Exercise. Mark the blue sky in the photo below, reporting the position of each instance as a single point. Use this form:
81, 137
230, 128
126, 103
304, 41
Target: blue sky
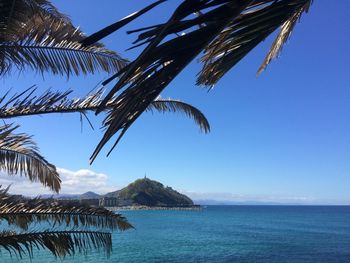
282, 136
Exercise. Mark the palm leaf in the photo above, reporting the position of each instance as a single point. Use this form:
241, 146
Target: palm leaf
29, 103
19, 156
226, 30
60, 243
284, 34
22, 212
160, 62
15, 14
111, 28
247, 31
64, 57
170, 105
37, 36
26, 104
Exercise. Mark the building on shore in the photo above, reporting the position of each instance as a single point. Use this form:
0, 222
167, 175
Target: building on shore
114, 201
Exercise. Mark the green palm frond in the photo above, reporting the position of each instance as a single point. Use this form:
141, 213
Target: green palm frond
171, 105
22, 212
59, 243
37, 36
19, 156
64, 57
27, 103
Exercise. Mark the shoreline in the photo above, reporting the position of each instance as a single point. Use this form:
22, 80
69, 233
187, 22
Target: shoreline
142, 208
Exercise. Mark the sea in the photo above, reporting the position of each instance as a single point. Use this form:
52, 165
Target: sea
225, 234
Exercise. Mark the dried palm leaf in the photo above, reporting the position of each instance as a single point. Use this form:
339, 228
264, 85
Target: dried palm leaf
284, 34
19, 156
60, 243
245, 33
22, 212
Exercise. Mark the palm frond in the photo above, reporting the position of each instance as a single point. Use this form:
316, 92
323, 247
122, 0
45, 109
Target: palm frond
112, 28
27, 103
161, 61
64, 57
284, 34
226, 30
244, 33
22, 212
59, 243
41, 38
19, 156
170, 105
15, 14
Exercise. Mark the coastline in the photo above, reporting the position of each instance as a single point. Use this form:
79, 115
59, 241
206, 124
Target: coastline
143, 207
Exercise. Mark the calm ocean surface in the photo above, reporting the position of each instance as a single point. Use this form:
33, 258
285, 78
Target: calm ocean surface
227, 234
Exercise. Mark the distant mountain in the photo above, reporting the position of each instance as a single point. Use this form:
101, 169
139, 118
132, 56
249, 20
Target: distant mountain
151, 193
61, 196
89, 195
226, 202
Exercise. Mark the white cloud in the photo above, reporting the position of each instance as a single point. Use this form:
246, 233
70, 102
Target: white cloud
73, 182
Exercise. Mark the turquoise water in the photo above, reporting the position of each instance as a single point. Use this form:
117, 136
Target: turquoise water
228, 234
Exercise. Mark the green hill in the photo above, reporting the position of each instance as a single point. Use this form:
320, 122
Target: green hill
151, 193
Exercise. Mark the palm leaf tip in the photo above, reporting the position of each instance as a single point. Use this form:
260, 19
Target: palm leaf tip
60, 243
170, 105
245, 32
286, 30
122, 222
158, 105
19, 155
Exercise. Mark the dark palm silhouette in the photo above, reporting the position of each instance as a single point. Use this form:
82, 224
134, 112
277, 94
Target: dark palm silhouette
224, 31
